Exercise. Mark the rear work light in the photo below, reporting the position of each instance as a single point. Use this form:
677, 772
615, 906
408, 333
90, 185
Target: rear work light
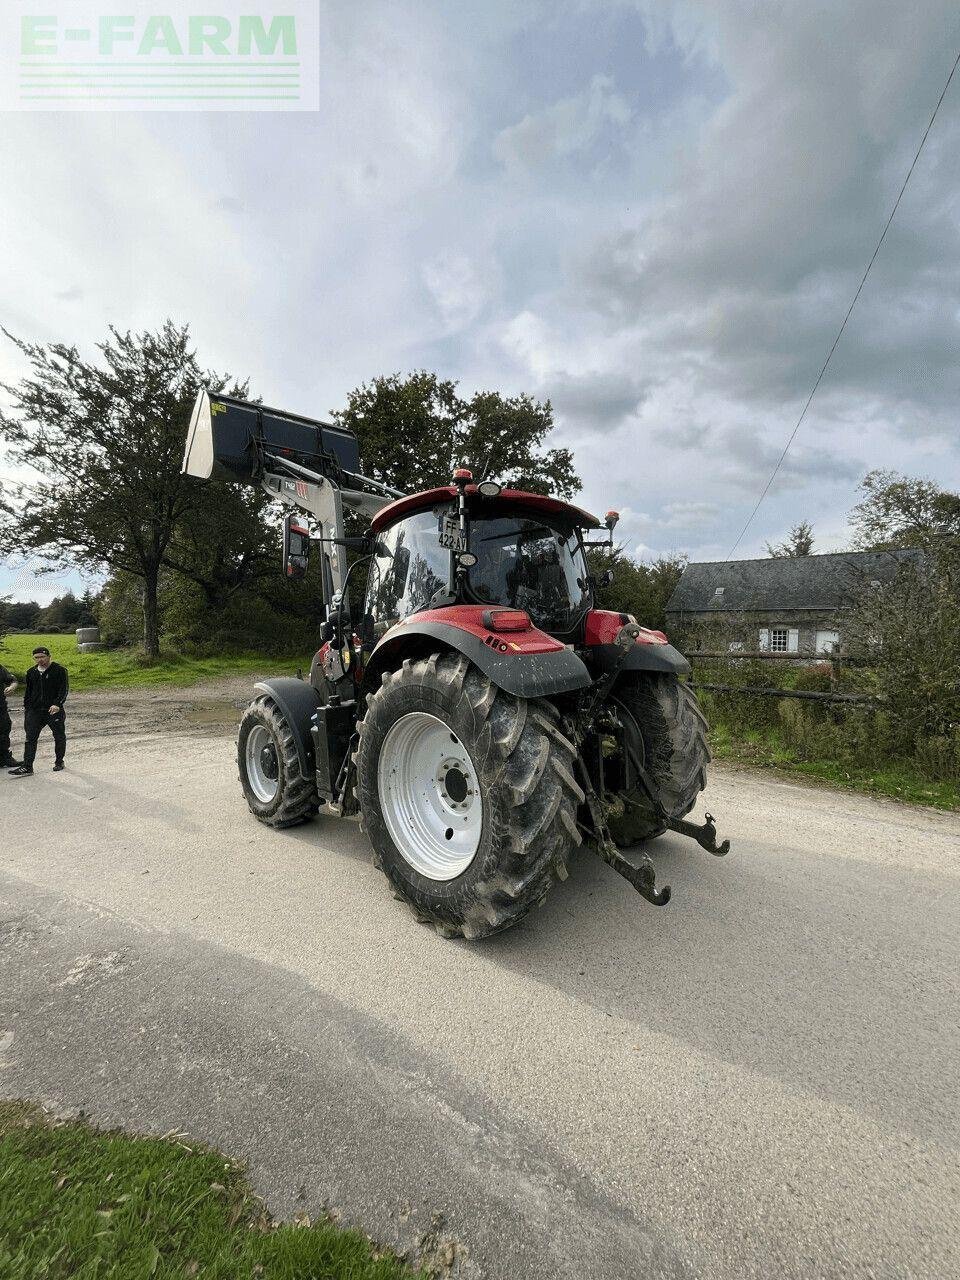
506, 620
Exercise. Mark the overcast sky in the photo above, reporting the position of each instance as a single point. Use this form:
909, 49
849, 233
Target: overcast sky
654, 214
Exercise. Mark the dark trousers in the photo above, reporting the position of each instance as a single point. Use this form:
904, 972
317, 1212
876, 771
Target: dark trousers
5, 727
33, 722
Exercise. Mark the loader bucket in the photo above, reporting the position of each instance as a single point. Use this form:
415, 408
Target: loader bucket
228, 439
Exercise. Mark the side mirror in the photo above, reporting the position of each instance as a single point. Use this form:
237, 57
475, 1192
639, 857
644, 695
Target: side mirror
605, 578
296, 546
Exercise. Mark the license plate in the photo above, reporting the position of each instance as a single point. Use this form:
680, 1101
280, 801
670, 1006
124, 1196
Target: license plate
451, 535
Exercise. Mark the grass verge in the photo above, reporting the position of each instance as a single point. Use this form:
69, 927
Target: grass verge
766, 749
126, 668
80, 1203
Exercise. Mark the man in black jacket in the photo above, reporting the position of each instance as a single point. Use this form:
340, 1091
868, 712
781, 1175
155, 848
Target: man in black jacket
46, 692
8, 683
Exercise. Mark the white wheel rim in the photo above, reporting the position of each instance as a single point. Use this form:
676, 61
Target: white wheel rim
429, 796
260, 758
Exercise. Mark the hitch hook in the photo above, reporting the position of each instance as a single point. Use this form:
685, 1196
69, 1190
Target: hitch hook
705, 835
643, 878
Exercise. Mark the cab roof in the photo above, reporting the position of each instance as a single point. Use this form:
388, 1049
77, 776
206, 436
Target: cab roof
415, 502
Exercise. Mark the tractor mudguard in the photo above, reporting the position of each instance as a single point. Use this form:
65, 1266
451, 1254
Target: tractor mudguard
651, 650
527, 664
298, 701
641, 657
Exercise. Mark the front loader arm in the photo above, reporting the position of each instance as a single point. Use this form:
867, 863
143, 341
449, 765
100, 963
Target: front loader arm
325, 502
301, 462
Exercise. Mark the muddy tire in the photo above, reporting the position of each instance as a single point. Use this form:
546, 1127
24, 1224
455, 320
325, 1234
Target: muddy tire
270, 771
667, 729
467, 795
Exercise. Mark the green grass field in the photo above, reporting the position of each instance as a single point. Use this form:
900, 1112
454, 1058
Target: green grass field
125, 668
76, 1202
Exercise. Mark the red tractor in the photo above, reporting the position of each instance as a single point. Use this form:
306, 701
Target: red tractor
478, 713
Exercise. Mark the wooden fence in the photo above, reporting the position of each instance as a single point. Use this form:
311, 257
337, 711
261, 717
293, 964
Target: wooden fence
805, 695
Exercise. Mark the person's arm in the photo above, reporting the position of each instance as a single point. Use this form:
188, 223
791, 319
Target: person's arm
61, 691
8, 681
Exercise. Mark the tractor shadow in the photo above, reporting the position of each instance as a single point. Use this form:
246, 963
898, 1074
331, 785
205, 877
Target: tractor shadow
833, 975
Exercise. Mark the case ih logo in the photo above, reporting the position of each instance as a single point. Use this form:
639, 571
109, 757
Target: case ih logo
88, 57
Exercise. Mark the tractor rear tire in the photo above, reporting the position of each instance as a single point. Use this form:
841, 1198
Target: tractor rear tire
277, 791
467, 795
669, 733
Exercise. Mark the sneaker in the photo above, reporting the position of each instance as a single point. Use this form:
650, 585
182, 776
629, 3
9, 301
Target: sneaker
58, 766
21, 771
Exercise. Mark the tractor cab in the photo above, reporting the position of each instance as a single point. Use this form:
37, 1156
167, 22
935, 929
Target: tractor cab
511, 549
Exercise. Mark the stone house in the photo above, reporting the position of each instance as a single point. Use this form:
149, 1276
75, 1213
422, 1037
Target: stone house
792, 604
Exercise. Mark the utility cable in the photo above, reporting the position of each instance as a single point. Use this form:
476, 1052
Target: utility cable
823, 370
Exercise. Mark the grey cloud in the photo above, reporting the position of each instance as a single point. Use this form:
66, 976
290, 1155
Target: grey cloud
690, 515
742, 272
72, 294
746, 459
570, 127
458, 287
684, 435
594, 400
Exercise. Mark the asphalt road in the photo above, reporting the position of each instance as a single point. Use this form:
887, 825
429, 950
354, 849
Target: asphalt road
759, 1080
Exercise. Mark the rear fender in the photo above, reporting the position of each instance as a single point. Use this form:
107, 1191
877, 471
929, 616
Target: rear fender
651, 650
298, 701
527, 664
666, 659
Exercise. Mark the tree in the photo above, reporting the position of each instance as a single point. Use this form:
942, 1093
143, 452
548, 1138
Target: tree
908, 630
799, 542
63, 613
20, 615
637, 588
226, 542
413, 431
106, 441
903, 511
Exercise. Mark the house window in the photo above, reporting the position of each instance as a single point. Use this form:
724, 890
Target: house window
779, 640
827, 641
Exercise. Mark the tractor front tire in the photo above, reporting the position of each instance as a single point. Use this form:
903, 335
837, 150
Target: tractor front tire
467, 795
273, 781
668, 731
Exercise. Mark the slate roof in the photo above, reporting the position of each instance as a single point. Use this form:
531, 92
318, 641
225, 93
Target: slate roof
784, 583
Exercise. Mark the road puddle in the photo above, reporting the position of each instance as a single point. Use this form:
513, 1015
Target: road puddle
212, 713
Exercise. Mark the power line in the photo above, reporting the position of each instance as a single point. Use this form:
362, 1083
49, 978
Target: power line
883, 235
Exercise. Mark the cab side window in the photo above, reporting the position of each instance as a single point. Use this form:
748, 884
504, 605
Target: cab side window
407, 571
